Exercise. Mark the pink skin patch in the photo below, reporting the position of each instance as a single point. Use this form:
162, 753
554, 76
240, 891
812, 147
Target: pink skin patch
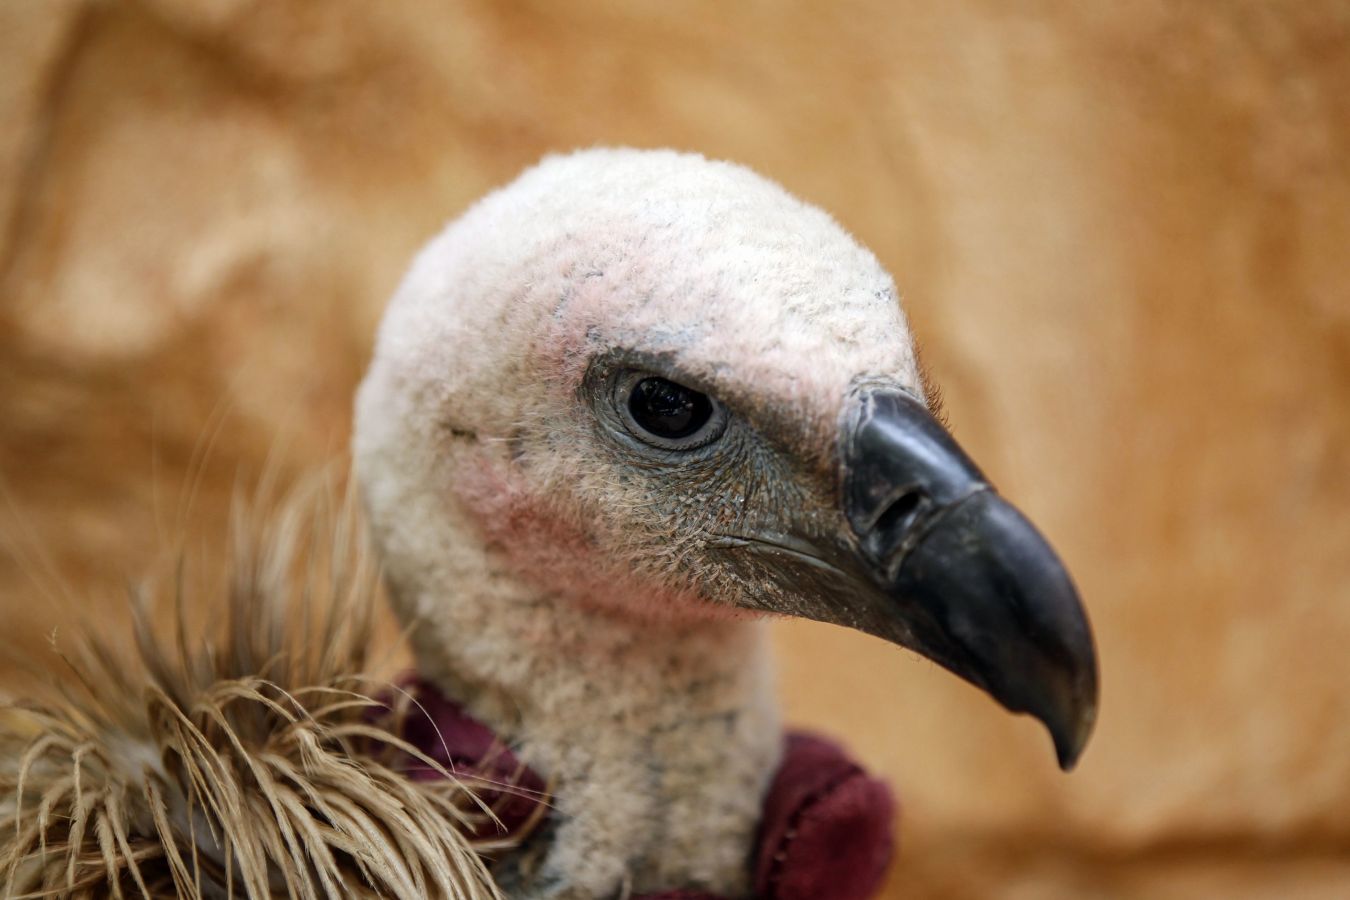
551, 551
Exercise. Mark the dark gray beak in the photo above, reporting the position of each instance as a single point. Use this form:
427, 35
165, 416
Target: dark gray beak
958, 574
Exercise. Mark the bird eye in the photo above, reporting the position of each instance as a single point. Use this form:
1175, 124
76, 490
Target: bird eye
668, 415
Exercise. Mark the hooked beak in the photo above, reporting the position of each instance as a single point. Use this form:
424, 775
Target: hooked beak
957, 574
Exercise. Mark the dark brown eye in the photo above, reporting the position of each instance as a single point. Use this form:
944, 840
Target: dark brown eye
667, 414
668, 410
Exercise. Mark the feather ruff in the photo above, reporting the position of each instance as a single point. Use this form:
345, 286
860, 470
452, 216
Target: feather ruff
250, 762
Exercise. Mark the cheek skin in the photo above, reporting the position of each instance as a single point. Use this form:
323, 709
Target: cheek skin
546, 544
514, 521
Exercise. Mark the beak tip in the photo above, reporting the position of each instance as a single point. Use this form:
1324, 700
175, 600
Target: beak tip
1070, 741
1068, 755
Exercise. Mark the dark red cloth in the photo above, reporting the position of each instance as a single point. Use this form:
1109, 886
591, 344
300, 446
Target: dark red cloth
826, 831
440, 728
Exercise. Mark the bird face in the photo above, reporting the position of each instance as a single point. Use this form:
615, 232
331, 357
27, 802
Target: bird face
663, 387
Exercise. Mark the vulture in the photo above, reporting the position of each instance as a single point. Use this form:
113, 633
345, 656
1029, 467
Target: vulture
620, 413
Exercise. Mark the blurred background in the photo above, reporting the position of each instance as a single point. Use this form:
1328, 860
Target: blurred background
1123, 236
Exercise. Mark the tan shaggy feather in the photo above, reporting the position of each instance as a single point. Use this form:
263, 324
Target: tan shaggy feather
250, 762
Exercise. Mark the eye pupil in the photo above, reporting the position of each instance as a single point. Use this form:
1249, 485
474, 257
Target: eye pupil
668, 410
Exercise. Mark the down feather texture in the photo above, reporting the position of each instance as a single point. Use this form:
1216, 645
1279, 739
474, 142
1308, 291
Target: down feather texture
249, 761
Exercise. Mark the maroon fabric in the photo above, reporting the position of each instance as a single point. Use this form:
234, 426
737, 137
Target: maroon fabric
827, 829
826, 832
440, 728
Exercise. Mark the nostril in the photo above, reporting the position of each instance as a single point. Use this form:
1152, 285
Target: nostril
899, 515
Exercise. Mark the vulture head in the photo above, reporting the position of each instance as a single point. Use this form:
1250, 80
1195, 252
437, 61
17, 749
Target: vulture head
663, 387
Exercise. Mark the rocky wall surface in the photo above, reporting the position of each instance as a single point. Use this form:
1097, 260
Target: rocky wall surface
1123, 236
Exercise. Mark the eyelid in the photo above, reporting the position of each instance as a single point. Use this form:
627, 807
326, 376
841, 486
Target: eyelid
624, 382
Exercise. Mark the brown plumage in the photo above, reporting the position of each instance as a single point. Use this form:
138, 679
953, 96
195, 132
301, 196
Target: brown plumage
251, 761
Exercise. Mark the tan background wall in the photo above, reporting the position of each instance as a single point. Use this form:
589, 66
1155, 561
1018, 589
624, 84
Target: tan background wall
1122, 229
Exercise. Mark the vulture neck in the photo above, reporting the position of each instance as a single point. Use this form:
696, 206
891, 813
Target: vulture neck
659, 737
